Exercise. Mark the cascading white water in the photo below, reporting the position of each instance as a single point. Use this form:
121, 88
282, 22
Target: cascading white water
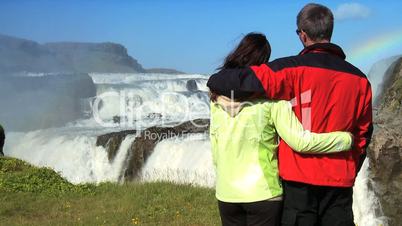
71, 149
366, 206
76, 157
185, 160
152, 99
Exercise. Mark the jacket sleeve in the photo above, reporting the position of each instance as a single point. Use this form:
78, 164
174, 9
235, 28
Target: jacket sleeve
364, 129
213, 136
239, 83
235, 83
292, 132
214, 147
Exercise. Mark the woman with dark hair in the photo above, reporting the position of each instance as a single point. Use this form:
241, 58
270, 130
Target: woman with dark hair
253, 49
244, 140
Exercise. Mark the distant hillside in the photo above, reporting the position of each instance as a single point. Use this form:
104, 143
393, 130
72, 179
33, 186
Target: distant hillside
164, 71
21, 55
94, 57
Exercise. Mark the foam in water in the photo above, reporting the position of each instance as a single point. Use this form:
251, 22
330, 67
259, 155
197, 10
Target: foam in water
121, 78
181, 160
150, 99
366, 206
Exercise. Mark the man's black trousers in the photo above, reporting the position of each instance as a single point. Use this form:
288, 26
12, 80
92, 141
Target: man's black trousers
309, 205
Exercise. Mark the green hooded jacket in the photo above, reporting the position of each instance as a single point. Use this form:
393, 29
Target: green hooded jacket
244, 142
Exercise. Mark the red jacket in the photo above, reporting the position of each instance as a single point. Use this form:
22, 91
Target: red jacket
328, 94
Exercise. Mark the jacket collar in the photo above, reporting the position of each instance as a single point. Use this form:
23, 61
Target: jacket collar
324, 47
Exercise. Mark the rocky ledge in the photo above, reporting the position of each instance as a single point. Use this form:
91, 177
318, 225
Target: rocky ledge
112, 141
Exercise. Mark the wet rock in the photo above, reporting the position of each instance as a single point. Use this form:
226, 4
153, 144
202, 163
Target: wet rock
385, 156
116, 119
191, 85
112, 141
154, 116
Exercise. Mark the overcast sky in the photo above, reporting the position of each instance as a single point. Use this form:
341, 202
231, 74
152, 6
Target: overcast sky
194, 36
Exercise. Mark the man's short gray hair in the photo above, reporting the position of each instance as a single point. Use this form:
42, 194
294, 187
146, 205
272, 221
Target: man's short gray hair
317, 21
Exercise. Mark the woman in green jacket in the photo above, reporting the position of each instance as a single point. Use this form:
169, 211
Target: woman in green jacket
244, 140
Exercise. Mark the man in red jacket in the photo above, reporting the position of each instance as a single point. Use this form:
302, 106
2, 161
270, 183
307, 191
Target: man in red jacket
327, 94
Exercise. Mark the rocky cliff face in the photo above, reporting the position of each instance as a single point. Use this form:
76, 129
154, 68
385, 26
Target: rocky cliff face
20, 55
385, 151
95, 57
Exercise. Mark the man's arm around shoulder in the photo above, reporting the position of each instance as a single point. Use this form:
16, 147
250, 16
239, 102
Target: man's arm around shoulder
242, 82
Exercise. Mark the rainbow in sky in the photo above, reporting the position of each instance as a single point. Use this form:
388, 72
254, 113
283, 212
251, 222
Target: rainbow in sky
380, 46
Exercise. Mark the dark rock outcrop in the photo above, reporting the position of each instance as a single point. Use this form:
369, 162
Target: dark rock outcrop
112, 141
20, 55
385, 150
29, 103
145, 142
191, 85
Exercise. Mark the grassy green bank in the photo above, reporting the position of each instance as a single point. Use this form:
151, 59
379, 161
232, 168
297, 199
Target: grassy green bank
39, 196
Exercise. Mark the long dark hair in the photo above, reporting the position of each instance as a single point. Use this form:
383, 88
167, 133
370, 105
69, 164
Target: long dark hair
253, 49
